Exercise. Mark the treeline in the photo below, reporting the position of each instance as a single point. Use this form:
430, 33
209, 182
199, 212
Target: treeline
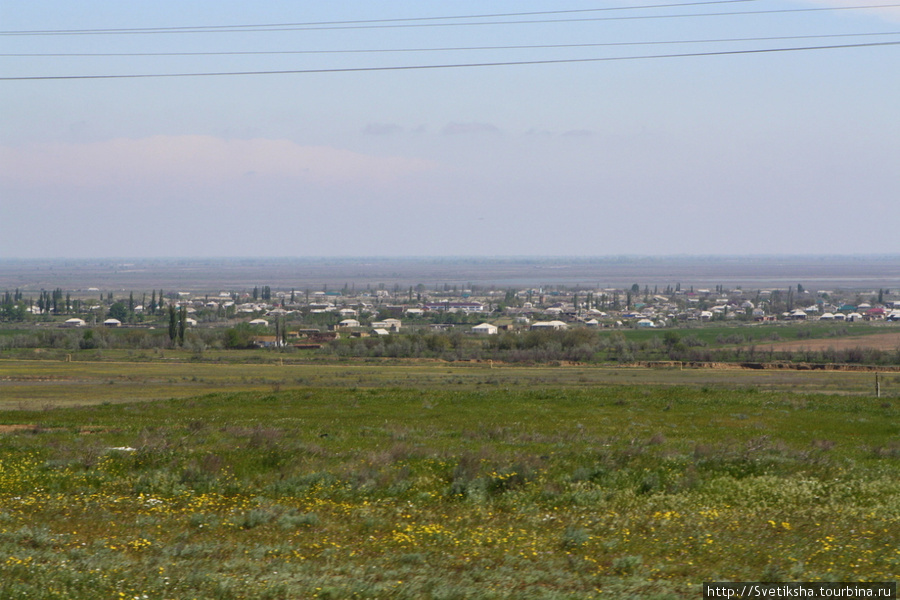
586, 346
15, 307
583, 345
102, 338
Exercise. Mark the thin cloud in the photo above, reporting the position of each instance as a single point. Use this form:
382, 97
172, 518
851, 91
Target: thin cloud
469, 128
195, 160
382, 129
578, 133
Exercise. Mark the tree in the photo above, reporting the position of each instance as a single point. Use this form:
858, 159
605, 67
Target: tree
118, 311
182, 323
671, 339
173, 323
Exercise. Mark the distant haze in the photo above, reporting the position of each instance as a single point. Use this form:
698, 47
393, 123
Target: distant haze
866, 273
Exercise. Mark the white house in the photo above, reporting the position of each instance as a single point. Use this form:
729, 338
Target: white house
262, 322
389, 324
75, 322
112, 323
349, 323
549, 325
485, 329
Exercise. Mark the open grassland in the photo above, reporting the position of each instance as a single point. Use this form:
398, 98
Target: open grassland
881, 341
39, 384
440, 490
717, 334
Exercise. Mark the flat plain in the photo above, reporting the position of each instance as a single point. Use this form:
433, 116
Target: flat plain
175, 479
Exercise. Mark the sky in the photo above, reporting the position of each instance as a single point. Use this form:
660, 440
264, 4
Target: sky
327, 144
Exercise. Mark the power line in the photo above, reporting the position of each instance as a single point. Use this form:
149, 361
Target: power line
263, 26
330, 27
447, 49
452, 66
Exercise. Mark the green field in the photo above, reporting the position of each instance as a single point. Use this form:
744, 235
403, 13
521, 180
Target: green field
179, 480
40, 384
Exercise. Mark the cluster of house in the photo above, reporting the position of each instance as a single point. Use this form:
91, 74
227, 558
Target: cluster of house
531, 309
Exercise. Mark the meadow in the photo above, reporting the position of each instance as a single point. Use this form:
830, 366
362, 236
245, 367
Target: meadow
181, 480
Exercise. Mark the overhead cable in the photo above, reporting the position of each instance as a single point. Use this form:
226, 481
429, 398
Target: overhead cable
451, 66
264, 26
314, 27
447, 48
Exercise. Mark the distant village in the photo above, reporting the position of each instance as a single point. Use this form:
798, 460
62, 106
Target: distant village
379, 312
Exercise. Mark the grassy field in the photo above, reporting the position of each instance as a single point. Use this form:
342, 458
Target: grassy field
438, 482
38, 384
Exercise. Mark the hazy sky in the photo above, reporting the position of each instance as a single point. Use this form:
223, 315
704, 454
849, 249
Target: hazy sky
737, 153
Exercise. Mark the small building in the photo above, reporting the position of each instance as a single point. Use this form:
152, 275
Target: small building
463, 307
265, 341
75, 322
112, 323
262, 322
485, 329
875, 313
556, 325
389, 324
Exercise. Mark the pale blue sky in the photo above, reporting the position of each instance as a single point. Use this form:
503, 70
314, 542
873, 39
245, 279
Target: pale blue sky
784, 152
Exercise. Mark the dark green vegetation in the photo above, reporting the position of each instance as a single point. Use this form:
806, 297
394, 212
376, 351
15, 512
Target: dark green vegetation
707, 342
493, 487
747, 343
